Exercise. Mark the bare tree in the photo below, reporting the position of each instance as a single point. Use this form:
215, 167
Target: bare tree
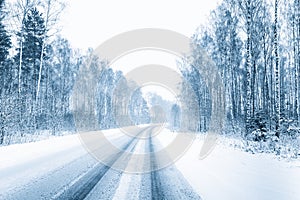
53, 9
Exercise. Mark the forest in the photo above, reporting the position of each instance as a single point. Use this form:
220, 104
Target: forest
255, 45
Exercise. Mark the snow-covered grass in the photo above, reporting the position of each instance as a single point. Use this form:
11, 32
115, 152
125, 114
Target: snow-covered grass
283, 148
231, 173
20, 138
287, 146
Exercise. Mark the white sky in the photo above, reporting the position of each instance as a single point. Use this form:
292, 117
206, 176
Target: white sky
148, 57
144, 57
159, 90
87, 23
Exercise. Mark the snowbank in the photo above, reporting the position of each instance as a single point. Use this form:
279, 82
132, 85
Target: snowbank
230, 173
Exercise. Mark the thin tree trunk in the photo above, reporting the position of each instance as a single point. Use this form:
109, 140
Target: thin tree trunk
43, 49
248, 68
277, 75
20, 62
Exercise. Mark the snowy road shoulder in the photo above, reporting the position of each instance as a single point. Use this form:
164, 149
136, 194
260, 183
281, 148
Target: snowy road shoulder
229, 173
226, 173
22, 164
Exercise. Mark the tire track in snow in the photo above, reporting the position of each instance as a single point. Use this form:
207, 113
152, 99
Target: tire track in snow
83, 185
156, 187
168, 183
131, 181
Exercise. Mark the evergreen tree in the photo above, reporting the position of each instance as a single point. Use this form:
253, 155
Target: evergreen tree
6, 71
5, 43
5, 74
32, 43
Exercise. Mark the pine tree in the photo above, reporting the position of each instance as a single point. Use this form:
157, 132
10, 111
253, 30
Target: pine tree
32, 43
5, 43
5, 73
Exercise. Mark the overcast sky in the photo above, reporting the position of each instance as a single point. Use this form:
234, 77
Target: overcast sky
87, 23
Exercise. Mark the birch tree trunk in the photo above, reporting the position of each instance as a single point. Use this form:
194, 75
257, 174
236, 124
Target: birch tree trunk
277, 75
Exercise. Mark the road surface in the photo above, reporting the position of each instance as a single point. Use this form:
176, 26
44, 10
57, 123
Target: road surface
76, 174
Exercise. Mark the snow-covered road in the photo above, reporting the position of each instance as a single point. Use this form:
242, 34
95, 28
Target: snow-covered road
61, 168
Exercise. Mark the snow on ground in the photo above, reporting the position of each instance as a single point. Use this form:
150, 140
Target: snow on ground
23, 163
130, 181
17, 154
229, 173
